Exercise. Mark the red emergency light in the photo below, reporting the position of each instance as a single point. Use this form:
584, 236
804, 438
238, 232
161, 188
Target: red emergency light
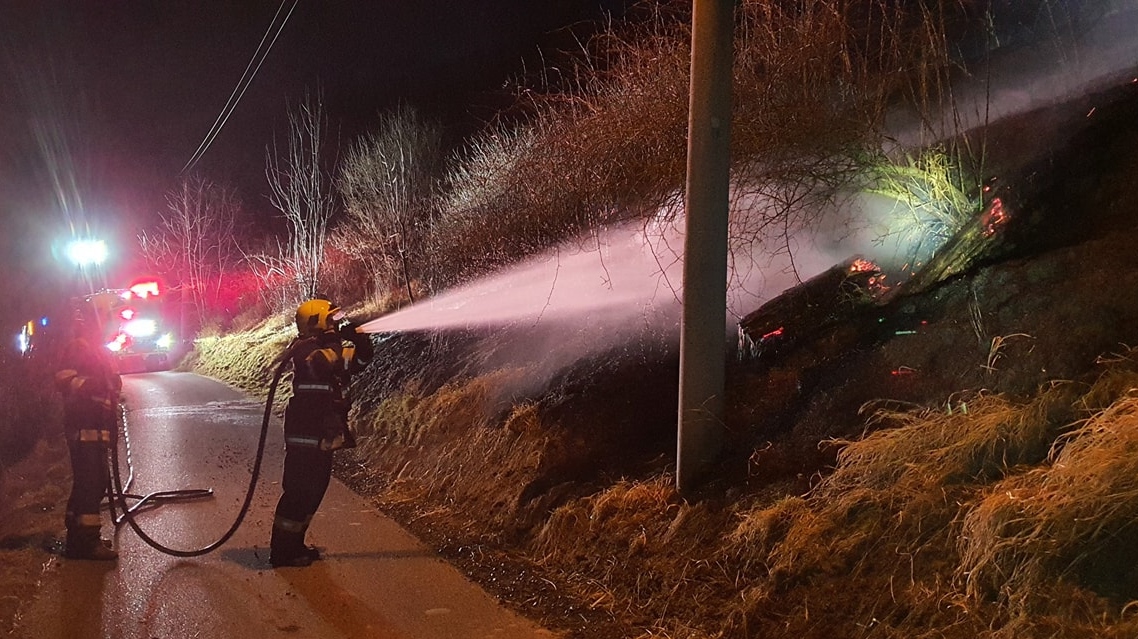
145, 289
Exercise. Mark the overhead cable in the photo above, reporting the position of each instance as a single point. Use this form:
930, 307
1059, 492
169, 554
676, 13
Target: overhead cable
251, 70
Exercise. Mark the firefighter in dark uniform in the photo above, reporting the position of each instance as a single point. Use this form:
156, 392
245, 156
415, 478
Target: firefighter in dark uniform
325, 354
90, 387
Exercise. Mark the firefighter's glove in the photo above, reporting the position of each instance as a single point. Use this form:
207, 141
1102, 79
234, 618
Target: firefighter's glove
362, 341
336, 443
65, 380
348, 331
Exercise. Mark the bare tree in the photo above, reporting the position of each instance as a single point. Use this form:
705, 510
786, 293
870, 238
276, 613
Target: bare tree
195, 241
272, 273
302, 191
388, 181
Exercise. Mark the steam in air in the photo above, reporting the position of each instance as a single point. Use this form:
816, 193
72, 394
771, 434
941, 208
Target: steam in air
630, 278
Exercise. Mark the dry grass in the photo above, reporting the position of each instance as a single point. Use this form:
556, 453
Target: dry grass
616, 518
1006, 516
464, 443
407, 418
246, 359
34, 477
983, 517
1071, 519
894, 494
640, 553
33, 492
979, 439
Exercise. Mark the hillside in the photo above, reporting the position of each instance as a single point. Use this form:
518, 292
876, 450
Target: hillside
954, 460
951, 458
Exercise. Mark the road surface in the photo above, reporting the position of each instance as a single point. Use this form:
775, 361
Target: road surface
187, 431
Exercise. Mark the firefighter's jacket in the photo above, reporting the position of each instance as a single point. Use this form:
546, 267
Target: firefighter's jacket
90, 387
317, 412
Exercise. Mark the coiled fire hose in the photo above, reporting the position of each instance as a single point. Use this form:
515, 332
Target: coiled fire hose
128, 512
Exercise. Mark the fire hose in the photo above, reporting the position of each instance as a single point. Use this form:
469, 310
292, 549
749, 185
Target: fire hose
119, 492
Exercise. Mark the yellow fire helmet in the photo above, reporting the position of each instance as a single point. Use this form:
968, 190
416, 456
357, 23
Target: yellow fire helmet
316, 316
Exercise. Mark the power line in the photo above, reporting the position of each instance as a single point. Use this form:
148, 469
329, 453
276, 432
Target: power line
242, 84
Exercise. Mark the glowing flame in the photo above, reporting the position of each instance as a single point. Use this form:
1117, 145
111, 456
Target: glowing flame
775, 333
861, 265
994, 217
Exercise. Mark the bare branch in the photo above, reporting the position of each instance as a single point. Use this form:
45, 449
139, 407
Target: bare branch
301, 191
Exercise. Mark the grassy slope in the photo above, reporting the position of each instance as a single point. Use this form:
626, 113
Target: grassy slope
34, 480
986, 489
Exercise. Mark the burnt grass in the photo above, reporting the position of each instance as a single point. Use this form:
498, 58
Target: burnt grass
1043, 299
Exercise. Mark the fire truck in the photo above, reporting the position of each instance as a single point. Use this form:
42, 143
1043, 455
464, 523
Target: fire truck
134, 326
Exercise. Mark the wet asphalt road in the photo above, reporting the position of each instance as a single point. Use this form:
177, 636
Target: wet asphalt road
191, 432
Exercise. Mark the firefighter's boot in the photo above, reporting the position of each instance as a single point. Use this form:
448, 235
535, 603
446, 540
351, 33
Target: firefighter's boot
84, 543
286, 547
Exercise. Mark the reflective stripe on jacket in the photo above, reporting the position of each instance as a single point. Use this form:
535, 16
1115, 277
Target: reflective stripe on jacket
90, 387
90, 435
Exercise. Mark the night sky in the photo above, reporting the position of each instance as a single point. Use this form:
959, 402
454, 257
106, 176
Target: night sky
103, 102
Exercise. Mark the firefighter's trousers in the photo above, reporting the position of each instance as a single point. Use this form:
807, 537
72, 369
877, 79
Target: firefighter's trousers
307, 471
90, 473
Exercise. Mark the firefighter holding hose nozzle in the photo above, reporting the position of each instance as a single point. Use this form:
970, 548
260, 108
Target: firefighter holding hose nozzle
90, 387
325, 355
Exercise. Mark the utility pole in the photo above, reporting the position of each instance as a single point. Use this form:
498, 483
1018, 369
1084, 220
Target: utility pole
703, 325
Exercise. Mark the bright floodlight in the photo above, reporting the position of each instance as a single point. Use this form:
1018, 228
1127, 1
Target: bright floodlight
87, 252
140, 328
